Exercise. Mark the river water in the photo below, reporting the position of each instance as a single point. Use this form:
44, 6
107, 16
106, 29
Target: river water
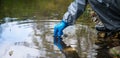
34, 39
30, 35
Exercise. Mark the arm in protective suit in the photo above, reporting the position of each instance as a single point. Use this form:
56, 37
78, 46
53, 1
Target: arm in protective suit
75, 9
107, 10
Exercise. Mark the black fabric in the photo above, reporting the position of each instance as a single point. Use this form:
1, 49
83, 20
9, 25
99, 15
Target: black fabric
108, 11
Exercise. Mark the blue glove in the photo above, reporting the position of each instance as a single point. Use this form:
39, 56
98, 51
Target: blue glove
58, 31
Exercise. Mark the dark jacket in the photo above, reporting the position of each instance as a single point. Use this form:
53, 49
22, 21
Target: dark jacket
107, 10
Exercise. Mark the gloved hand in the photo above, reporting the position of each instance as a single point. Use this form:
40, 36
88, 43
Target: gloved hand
58, 31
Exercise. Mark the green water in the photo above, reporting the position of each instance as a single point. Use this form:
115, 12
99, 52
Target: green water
41, 9
38, 8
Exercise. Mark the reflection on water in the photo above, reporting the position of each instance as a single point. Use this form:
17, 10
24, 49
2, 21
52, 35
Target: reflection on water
27, 39
33, 36
68, 51
34, 39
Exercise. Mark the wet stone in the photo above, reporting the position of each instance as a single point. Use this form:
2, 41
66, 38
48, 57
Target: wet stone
11, 52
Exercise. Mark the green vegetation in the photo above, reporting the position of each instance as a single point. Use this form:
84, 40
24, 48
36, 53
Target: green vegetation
39, 8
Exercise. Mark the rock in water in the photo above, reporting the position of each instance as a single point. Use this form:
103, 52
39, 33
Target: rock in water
115, 52
11, 53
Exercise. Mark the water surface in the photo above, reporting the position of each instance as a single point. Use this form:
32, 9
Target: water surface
34, 38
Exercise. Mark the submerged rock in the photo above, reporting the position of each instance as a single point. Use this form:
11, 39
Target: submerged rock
115, 52
11, 52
